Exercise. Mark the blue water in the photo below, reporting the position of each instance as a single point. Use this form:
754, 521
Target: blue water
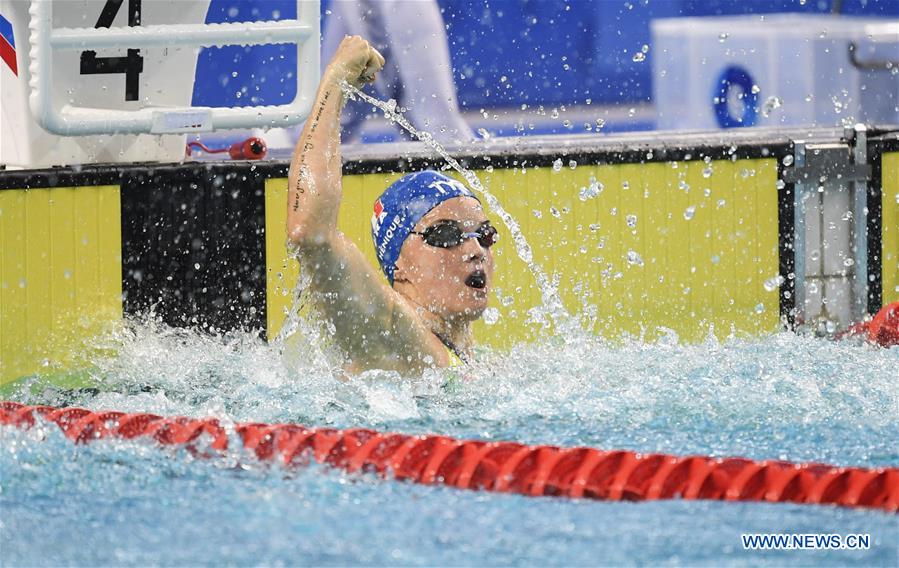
131, 503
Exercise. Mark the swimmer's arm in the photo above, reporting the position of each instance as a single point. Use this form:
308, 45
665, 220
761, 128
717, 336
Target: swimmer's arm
373, 324
314, 180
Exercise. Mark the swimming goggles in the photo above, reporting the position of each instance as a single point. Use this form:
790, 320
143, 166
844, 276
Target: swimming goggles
449, 234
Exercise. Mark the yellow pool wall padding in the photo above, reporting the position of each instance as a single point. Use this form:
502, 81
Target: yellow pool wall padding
685, 246
60, 276
890, 234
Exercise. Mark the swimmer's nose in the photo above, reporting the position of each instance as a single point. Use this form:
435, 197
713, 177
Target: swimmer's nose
472, 250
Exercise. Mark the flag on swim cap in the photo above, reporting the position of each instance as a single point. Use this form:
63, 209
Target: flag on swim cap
401, 207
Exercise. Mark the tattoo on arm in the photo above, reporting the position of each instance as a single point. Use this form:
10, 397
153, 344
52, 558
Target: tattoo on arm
307, 145
318, 113
315, 120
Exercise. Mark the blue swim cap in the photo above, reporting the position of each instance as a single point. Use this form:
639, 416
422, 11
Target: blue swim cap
401, 207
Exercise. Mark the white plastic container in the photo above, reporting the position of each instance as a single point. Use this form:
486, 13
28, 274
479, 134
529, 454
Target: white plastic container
775, 69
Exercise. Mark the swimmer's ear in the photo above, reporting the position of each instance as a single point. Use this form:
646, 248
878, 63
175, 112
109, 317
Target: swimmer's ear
400, 274
402, 271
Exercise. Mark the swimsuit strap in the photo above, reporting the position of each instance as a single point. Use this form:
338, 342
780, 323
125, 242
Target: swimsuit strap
452, 349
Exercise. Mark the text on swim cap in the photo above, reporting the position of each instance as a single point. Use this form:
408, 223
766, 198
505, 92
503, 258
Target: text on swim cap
449, 186
388, 236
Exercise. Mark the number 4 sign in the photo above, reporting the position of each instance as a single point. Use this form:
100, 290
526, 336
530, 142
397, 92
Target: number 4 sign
160, 43
132, 65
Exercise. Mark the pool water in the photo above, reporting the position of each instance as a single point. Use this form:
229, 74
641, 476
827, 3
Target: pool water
129, 503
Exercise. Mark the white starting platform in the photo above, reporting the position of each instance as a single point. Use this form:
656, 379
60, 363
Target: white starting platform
98, 81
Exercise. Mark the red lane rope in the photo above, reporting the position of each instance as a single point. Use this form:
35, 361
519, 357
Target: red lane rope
506, 467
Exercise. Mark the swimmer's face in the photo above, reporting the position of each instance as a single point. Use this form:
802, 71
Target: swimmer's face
451, 282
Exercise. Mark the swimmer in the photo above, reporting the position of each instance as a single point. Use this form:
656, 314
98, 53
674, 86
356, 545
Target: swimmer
431, 235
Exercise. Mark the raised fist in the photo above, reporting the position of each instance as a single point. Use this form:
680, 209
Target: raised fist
356, 61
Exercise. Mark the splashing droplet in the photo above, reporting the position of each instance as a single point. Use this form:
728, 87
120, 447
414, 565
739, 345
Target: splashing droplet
634, 258
772, 284
592, 190
689, 212
771, 103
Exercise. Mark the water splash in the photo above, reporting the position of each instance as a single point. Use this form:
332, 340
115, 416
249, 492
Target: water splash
591, 190
690, 212
771, 104
764, 398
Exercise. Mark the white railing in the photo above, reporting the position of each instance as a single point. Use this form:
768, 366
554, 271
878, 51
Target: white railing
72, 120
